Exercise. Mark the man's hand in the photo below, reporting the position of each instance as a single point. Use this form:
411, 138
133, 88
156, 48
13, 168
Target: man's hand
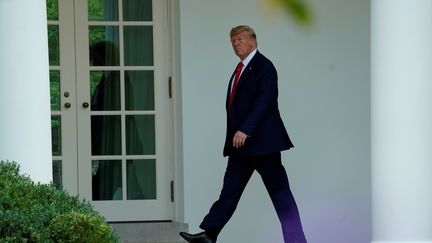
239, 139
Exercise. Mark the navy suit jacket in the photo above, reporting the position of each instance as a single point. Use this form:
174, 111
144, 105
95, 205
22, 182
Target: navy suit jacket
255, 111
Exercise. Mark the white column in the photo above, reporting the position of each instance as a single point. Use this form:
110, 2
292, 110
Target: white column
401, 93
25, 133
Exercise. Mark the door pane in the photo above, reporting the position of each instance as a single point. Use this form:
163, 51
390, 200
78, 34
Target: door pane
55, 89
54, 75
107, 180
137, 10
56, 135
53, 45
102, 10
138, 45
106, 135
139, 90
105, 90
52, 9
104, 42
140, 134
57, 173
141, 179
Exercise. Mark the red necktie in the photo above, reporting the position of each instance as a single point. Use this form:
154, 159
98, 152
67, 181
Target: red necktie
236, 79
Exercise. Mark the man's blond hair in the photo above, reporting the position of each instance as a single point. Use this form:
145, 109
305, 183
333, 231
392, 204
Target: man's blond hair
238, 29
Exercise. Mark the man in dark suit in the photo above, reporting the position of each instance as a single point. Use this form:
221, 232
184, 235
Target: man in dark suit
255, 137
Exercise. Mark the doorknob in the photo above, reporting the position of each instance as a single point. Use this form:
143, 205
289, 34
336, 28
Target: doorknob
85, 105
67, 105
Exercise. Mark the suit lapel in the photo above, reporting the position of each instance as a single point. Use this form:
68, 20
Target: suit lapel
229, 89
247, 72
244, 76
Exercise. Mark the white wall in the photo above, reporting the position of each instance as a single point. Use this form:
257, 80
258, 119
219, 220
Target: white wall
25, 125
324, 100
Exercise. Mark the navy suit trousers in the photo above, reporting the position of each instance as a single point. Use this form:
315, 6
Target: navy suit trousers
238, 172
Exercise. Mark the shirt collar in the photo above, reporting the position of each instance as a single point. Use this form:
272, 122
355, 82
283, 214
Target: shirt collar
249, 57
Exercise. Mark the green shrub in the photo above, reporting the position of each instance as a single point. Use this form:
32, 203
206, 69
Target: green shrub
34, 212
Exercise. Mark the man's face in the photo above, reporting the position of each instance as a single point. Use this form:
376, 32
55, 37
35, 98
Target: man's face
243, 44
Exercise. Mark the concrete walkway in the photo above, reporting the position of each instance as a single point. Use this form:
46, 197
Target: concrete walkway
150, 232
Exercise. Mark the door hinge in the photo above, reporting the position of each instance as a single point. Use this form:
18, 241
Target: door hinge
172, 191
170, 87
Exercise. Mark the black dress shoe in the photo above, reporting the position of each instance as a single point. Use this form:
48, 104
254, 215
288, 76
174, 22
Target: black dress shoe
196, 238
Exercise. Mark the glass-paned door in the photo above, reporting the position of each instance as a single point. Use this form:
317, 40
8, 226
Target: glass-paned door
124, 146
63, 96
121, 107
